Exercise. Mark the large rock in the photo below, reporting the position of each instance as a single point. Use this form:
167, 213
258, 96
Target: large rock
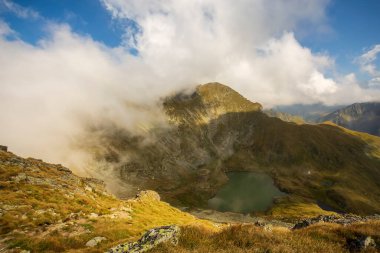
3, 148
360, 243
149, 240
95, 241
148, 195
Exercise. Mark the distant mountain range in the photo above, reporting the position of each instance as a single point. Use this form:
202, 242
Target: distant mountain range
309, 113
363, 117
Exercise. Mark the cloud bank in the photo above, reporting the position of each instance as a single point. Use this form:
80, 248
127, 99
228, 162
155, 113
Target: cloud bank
48, 89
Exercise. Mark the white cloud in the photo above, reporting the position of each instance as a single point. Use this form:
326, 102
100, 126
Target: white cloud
371, 55
18, 10
5, 30
367, 63
374, 82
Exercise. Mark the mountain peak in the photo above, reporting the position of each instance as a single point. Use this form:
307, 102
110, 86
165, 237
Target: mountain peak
217, 94
208, 101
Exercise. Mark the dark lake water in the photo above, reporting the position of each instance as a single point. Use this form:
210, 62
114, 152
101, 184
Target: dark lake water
245, 192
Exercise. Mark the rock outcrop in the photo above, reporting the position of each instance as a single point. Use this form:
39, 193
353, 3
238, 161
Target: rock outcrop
95, 241
152, 195
149, 240
361, 243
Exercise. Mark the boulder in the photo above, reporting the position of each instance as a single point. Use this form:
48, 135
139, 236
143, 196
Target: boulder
93, 216
20, 177
3, 148
95, 241
149, 240
62, 168
148, 195
360, 243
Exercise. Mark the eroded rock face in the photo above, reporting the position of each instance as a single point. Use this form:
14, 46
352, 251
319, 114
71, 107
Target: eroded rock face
149, 240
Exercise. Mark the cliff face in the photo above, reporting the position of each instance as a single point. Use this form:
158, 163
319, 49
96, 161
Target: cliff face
215, 130
363, 117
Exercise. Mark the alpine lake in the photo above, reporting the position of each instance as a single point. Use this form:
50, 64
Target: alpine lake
245, 192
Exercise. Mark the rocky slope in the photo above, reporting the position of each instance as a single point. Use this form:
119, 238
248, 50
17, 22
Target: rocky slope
363, 117
46, 208
215, 130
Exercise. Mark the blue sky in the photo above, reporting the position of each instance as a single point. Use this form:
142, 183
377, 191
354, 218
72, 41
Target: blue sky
84, 16
355, 28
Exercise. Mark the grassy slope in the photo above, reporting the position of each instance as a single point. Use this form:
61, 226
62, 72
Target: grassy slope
323, 238
36, 217
43, 232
